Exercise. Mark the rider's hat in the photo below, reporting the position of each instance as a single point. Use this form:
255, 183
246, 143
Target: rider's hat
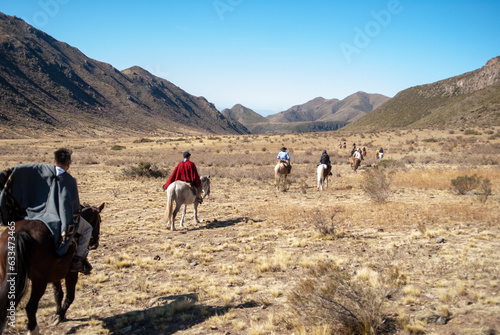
283, 149
186, 154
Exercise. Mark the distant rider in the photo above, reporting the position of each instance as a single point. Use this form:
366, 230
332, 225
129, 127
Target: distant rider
325, 159
283, 156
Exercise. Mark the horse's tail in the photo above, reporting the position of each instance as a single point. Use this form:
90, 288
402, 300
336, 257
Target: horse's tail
17, 264
169, 210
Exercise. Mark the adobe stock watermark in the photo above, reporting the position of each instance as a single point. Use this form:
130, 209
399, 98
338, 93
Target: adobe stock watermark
11, 275
224, 6
364, 36
49, 9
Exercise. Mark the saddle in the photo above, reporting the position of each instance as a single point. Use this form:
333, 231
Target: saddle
287, 165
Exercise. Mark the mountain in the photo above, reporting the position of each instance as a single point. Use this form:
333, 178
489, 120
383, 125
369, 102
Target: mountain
257, 124
345, 111
243, 115
468, 100
47, 86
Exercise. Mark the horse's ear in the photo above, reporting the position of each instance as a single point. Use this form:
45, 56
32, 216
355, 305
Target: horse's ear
101, 207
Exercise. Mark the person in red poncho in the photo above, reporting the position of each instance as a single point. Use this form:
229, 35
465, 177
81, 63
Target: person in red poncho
185, 171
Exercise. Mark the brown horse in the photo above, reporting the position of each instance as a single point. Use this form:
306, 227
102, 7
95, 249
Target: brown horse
356, 164
281, 170
27, 251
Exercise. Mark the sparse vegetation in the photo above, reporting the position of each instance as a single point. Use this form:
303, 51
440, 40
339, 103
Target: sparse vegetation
425, 252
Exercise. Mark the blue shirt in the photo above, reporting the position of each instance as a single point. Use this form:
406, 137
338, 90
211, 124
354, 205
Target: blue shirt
284, 156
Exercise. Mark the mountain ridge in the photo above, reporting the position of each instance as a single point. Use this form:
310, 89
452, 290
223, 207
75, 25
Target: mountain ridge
469, 99
48, 86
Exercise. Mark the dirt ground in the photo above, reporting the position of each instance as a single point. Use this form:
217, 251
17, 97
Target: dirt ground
233, 272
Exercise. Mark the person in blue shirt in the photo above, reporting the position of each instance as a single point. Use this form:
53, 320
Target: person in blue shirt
285, 157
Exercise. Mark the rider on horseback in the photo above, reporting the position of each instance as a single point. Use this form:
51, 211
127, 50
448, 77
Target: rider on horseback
48, 193
187, 172
325, 159
283, 156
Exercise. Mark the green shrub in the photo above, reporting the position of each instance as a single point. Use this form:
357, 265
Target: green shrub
465, 184
471, 132
117, 147
143, 140
144, 169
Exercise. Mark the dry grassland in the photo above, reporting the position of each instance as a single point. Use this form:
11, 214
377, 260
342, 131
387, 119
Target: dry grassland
234, 272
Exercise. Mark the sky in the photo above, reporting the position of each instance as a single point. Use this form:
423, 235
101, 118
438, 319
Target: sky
272, 55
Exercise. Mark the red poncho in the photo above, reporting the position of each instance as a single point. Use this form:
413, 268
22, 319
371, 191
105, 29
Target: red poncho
185, 171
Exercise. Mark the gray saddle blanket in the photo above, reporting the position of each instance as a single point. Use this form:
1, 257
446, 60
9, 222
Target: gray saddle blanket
38, 194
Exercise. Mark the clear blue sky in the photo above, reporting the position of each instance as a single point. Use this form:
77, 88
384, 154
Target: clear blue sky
271, 55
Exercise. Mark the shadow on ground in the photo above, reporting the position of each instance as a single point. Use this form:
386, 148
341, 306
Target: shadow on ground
168, 315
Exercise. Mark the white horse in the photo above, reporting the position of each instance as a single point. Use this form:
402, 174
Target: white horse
181, 192
323, 171
281, 170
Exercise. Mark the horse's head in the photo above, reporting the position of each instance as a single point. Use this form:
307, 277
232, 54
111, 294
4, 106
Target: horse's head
205, 185
93, 216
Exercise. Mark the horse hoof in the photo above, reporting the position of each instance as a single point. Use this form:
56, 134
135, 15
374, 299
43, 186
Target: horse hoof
55, 320
35, 331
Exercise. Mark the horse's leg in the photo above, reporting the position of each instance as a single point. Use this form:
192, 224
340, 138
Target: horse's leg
58, 296
181, 224
195, 205
37, 291
176, 210
70, 282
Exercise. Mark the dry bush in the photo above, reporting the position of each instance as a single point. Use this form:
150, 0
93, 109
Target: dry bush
486, 188
144, 169
377, 184
349, 303
465, 184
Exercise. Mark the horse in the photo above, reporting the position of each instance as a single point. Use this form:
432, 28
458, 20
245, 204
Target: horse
182, 193
281, 170
27, 252
356, 164
323, 171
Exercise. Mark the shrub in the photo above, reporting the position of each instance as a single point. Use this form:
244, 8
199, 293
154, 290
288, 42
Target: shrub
465, 184
471, 132
144, 169
117, 147
143, 140
377, 184
486, 188
322, 223
349, 303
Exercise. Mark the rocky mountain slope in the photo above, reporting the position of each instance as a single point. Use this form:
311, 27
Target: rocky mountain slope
467, 100
243, 115
347, 110
319, 114
47, 86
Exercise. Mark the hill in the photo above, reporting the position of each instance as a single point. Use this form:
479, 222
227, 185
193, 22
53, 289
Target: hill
257, 124
468, 100
243, 115
47, 86
345, 111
